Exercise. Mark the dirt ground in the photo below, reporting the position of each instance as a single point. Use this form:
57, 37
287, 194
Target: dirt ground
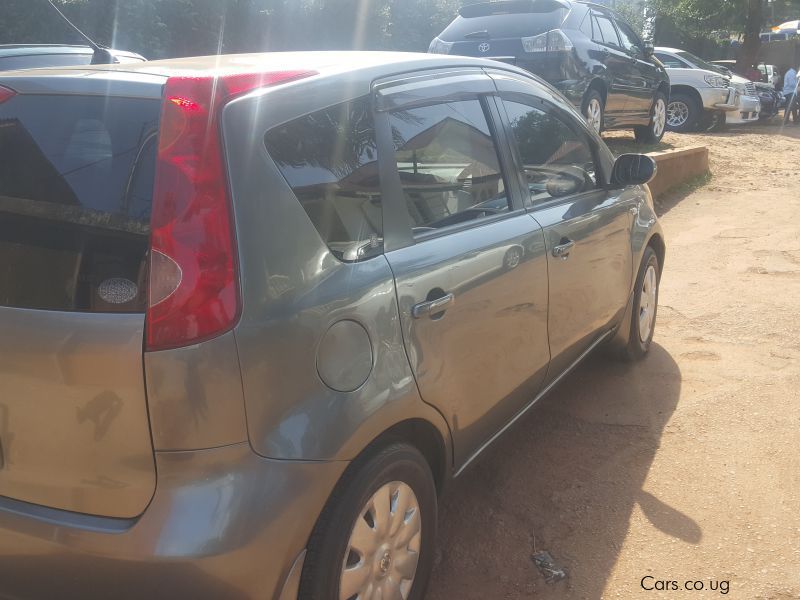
686, 466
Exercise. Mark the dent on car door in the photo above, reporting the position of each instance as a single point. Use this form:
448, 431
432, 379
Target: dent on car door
587, 229
472, 282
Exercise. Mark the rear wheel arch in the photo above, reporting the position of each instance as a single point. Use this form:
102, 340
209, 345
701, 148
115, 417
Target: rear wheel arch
665, 88
598, 85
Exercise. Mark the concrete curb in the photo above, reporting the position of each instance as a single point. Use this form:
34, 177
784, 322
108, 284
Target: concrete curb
678, 166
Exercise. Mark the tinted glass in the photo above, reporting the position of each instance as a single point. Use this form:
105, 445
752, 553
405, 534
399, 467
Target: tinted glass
329, 158
76, 184
448, 164
37, 61
630, 41
697, 61
506, 25
607, 31
557, 159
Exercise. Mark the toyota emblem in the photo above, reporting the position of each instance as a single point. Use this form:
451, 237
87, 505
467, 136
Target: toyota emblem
484, 47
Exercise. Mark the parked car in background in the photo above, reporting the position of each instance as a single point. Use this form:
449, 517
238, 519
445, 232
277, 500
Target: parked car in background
748, 106
37, 56
585, 51
698, 98
240, 299
771, 100
767, 73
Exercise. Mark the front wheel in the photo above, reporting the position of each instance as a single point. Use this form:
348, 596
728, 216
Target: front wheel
375, 538
645, 307
654, 131
683, 113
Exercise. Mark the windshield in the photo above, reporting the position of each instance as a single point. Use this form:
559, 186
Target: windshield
700, 63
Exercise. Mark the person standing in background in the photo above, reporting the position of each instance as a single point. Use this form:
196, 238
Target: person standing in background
789, 90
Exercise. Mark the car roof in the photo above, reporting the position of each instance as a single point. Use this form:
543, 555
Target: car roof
322, 62
7, 50
146, 79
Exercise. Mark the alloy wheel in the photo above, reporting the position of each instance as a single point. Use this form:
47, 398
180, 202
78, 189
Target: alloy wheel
659, 117
677, 114
383, 549
647, 303
594, 114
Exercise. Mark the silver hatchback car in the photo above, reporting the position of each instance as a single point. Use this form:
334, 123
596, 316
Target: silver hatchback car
256, 311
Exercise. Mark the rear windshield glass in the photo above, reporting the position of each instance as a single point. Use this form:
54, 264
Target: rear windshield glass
76, 181
537, 17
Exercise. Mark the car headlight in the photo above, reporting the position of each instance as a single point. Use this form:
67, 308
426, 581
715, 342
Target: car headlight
439, 47
716, 81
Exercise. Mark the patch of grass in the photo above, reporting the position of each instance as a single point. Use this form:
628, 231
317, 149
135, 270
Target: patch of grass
627, 145
673, 196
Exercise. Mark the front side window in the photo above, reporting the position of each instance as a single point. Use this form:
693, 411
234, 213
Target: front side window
670, 61
558, 160
630, 41
330, 160
448, 163
607, 31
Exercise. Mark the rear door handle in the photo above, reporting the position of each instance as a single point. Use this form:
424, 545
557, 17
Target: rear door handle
432, 307
563, 249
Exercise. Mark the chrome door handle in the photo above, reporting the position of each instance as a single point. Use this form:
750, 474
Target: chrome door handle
432, 307
563, 249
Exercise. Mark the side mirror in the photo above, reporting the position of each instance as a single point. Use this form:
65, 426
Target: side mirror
633, 169
649, 49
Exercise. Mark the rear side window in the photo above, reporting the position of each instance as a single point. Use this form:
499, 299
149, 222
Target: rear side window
76, 184
557, 159
329, 158
448, 163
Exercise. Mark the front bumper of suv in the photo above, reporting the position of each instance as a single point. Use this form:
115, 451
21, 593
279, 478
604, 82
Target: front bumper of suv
223, 523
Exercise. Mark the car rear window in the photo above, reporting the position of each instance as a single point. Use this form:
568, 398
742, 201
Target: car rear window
76, 182
506, 20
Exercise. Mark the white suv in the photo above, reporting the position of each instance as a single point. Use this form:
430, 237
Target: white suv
702, 95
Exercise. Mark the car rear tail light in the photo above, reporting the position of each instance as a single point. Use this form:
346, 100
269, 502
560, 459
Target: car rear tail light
554, 40
6, 94
193, 281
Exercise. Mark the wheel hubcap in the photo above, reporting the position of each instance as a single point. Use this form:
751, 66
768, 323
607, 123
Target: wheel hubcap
677, 114
659, 117
383, 549
594, 114
647, 303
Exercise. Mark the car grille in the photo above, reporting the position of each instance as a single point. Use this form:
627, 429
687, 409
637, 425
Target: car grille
750, 90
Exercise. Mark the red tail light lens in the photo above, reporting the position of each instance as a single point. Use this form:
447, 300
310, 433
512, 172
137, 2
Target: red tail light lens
6, 94
194, 287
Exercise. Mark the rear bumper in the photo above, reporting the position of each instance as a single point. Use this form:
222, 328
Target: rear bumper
224, 523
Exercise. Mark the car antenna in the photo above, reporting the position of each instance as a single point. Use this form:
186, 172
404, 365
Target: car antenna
101, 55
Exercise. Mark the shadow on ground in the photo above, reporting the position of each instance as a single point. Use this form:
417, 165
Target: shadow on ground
566, 479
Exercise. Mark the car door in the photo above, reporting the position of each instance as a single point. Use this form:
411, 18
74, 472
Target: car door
469, 263
619, 70
644, 76
587, 228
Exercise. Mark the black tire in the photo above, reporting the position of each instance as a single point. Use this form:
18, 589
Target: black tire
712, 121
594, 95
328, 543
638, 348
693, 110
653, 132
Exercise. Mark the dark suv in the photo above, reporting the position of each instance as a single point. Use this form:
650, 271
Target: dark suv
593, 57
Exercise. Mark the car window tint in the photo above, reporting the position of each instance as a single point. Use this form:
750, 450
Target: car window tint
329, 158
670, 61
607, 30
630, 41
448, 164
557, 159
76, 187
586, 25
